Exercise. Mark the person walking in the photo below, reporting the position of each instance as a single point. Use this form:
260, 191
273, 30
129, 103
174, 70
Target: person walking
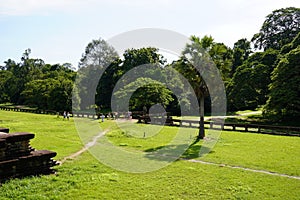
65, 115
102, 117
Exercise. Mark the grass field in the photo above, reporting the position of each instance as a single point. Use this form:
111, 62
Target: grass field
86, 178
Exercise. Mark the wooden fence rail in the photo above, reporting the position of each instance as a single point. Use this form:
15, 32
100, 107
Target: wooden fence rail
38, 111
257, 128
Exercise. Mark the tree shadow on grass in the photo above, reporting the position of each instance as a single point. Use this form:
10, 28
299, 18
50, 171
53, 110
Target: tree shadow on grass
175, 152
194, 150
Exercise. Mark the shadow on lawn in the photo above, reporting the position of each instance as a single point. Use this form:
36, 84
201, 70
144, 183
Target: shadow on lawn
175, 151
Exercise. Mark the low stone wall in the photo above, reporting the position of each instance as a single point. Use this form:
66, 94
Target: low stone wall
18, 158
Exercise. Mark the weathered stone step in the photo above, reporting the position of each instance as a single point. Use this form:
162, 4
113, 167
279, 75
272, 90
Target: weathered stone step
17, 137
5, 130
14, 145
18, 158
38, 162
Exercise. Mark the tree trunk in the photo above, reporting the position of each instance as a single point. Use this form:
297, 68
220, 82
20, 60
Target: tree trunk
201, 133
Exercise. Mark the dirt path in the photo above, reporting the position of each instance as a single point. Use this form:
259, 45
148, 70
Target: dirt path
244, 168
250, 113
234, 116
93, 142
85, 148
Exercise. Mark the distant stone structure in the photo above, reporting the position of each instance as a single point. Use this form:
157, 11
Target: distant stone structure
19, 159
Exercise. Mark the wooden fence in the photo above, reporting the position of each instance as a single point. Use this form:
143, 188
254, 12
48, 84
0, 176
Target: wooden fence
29, 110
256, 128
73, 114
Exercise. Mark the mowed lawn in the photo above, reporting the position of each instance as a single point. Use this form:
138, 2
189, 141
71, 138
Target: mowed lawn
86, 178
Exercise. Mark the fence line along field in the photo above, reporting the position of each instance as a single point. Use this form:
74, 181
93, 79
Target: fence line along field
85, 177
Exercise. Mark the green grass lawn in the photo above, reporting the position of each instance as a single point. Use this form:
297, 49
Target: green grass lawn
86, 178
51, 133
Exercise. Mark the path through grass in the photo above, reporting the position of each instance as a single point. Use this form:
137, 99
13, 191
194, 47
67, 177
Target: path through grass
85, 177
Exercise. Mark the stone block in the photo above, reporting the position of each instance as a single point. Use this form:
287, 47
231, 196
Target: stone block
18, 158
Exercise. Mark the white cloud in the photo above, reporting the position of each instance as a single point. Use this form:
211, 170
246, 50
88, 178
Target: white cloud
43, 7
226, 21
32, 7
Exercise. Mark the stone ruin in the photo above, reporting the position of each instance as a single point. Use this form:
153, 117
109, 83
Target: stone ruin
19, 159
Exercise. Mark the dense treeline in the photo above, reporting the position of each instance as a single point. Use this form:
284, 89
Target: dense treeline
268, 78
33, 82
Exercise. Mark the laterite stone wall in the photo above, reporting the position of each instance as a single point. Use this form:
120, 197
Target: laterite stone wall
18, 158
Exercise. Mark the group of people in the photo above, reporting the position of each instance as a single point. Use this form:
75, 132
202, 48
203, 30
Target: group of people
66, 115
115, 115
128, 115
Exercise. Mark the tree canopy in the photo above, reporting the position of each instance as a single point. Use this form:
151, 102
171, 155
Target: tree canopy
34, 83
279, 29
284, 97
268, 78
248, 88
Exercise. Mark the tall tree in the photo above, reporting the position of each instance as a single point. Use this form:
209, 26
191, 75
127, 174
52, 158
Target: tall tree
152, 92
146, 55
98, 53
279, 28
107, 83
248, 88
5, 77
202, 50
52, 90
241, 52
23, 72
222, 57
98, 56
132, 58
284, 97
200, 58
34, 83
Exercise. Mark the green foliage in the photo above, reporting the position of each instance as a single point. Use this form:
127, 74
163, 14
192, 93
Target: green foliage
194, 56
37, 84
241, 52
5, 89
279, 29
100, 60
201, 52
100, 70
241, 94
185, 68
149, 93
107, 83
98, 54
288, 47
222, 57
284, 98
136, 57
248, 77
248, 88
270, 78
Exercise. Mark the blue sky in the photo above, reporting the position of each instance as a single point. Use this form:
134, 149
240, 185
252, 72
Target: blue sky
58, 31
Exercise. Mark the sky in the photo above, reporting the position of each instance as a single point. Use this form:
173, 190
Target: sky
58, 31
